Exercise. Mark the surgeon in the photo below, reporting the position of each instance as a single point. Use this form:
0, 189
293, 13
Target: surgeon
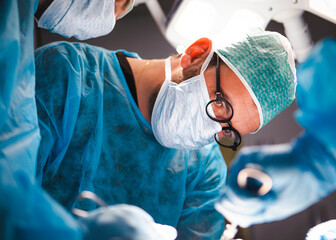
303, 171
144, 132
26, 211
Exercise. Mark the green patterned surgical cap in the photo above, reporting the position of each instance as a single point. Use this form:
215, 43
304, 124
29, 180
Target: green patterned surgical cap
264, 63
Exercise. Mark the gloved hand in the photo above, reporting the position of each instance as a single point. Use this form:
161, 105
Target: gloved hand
125, 222
302, 173
323, 231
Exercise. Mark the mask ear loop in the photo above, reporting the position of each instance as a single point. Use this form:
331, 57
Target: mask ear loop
205, 89
168, 68
91, 196
207, 61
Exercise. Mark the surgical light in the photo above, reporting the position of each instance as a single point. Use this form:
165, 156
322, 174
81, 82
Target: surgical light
198, 26
226, 20
233, 18
325, 8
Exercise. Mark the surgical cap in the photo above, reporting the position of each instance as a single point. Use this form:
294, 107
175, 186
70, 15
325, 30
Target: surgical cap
264, 63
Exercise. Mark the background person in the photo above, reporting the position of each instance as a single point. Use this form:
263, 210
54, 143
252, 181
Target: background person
81, 19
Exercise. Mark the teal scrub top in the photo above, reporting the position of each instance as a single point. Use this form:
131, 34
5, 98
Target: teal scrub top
95, 138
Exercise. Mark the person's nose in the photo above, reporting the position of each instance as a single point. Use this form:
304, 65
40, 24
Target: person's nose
225, 125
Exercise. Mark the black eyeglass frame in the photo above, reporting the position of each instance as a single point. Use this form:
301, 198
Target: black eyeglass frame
228, 120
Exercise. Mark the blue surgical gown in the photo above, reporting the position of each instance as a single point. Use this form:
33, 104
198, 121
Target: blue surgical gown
26, 211
19, 132
303, 171
95, 138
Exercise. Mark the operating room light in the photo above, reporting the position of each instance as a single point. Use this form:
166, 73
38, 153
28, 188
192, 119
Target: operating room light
324, 7
192, 23
198, 18
224, 21
242, 21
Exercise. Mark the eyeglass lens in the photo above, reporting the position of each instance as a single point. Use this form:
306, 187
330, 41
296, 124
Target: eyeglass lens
228, 137
221, 110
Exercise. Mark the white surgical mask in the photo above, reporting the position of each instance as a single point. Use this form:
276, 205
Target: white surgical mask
179, 119
82, 19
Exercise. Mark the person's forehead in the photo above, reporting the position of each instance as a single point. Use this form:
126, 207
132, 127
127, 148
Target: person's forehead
232, 87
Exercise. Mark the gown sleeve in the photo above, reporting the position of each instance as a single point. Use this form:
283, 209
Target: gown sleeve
26, 210
206, 179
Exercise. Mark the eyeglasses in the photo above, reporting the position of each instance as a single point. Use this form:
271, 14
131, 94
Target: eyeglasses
220, 110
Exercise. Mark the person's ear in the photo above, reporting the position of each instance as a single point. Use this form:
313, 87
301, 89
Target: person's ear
196, 52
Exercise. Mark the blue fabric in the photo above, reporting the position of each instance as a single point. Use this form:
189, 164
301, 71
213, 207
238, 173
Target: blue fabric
19, 133
123, 221
26, 211
95, 138
303, 171
316, 93
323, 231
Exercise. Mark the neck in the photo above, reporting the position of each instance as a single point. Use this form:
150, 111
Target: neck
149, 76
